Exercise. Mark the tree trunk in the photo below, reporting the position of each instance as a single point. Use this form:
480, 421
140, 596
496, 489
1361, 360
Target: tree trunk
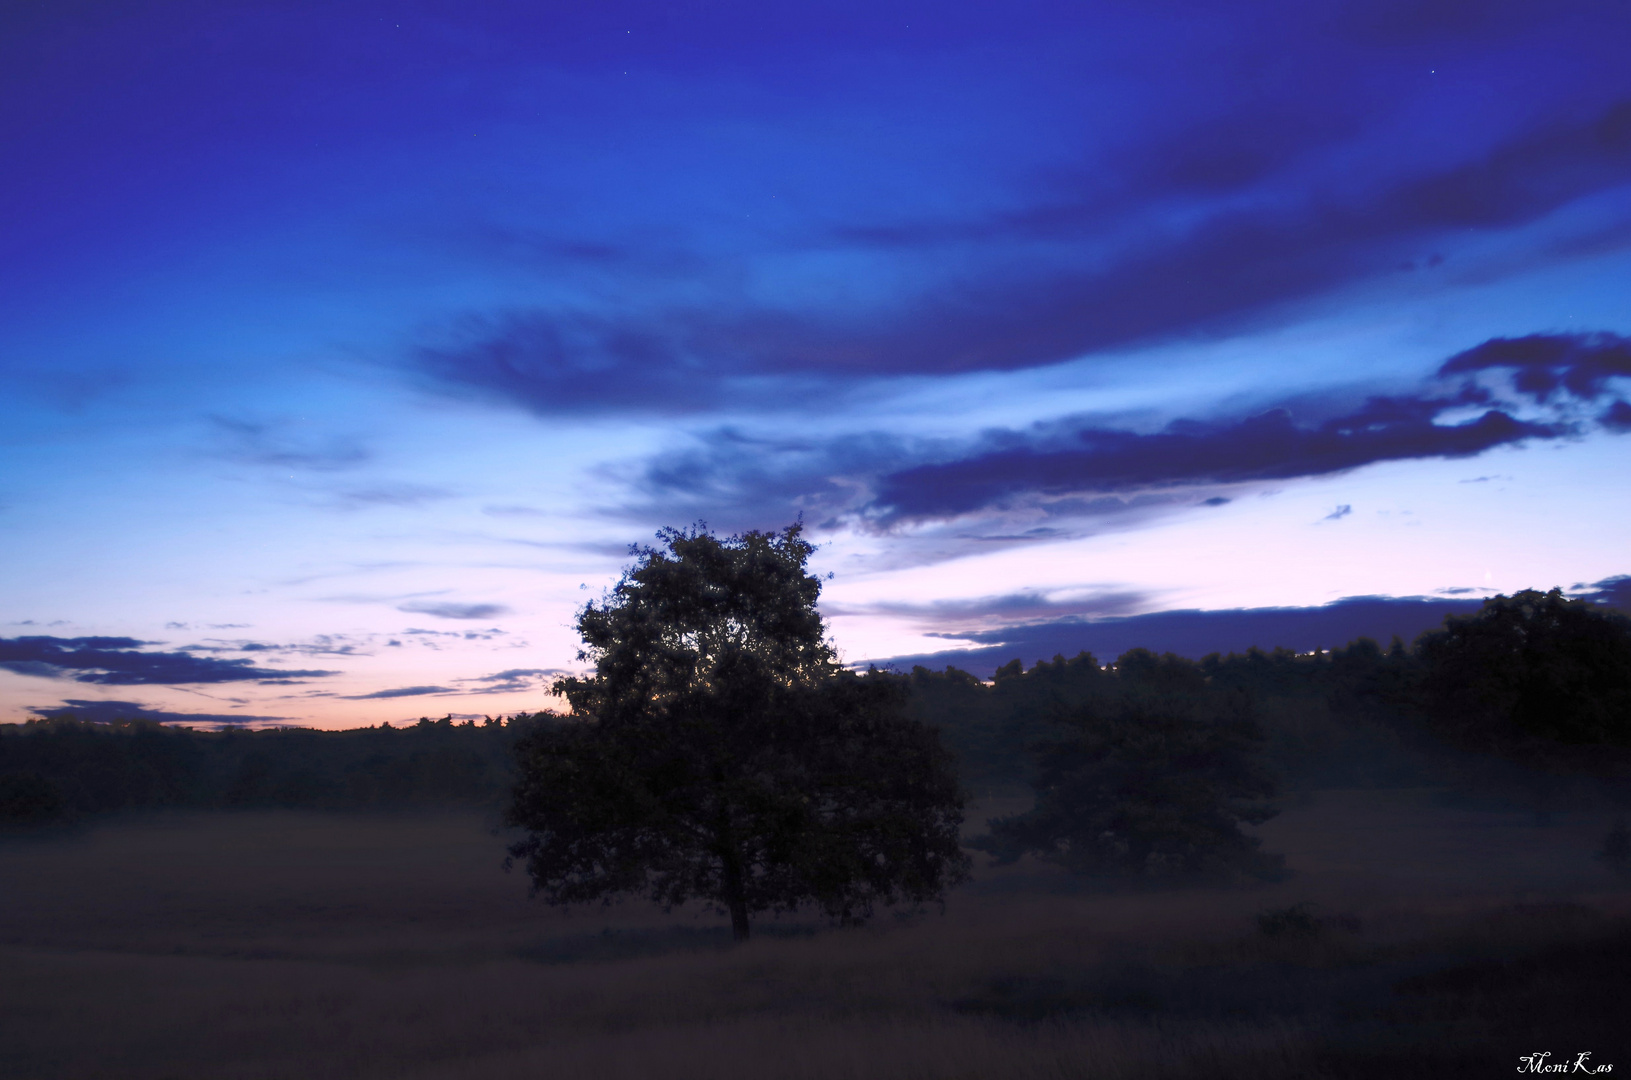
734, 898
739, 919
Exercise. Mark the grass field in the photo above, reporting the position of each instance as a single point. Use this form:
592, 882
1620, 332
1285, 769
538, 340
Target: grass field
1437, 942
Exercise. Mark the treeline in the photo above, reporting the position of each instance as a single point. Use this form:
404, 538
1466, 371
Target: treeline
1533, 680
58, 769
1533, 688
1349, 717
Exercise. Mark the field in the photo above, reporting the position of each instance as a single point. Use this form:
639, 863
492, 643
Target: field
1434, 941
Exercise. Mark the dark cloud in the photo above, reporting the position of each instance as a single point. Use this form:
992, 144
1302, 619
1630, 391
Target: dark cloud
1025, 606
1085, 468
448, 610
999, 305
512, 681
106, 712
321, 645
571, 361
515, 673
117, 661
1584, 365
736, 480
1269, 446
403, 691
1197, 633
1237, 261
1613, 592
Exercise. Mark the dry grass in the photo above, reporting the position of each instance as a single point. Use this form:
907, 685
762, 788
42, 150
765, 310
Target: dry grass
270, 945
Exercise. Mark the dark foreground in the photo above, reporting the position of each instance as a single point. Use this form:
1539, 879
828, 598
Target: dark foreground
1436, 942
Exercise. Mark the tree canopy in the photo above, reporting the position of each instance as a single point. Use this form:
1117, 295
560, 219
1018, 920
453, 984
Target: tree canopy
1152, 777
719, 752
1531, 666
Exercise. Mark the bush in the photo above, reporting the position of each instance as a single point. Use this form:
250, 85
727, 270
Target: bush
27, 798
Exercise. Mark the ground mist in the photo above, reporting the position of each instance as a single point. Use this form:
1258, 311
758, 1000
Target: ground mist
1415, 937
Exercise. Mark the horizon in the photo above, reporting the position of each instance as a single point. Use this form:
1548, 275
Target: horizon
347, 349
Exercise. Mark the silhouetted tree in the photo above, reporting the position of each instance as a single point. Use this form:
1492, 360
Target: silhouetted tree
1534, 665
718, 752
1153, 778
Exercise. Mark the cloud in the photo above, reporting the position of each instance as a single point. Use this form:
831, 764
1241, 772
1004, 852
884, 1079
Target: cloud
515, 680
734, 479
117, 661
1197, 633
1063, 460
363, 498
450, 610
514, 511
1237, 260
511, 681
106, 712
403, 691
1339, 513
1087, 469
576, 361
283, 445
1027, 605
1173, 251
1584, 365
1613, 592
427, 638
320, 645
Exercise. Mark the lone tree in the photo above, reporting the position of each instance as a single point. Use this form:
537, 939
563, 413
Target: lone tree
719, 752
1151, 779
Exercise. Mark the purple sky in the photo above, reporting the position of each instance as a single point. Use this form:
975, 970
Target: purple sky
346, 347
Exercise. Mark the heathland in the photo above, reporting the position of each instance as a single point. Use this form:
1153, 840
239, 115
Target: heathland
182, 904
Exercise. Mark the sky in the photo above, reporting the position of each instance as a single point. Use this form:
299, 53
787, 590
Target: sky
346, 348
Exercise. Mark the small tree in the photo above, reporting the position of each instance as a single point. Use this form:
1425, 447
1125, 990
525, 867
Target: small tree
718, 752
1153, 779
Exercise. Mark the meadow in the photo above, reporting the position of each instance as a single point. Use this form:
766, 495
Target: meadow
1414, 937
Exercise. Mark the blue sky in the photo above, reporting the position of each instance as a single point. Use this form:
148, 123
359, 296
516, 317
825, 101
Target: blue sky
346, 347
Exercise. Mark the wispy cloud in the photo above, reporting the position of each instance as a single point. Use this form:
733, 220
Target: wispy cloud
451, 610
398, 692
106, 712
514, 680
118, 661
281, 444
1009, 608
